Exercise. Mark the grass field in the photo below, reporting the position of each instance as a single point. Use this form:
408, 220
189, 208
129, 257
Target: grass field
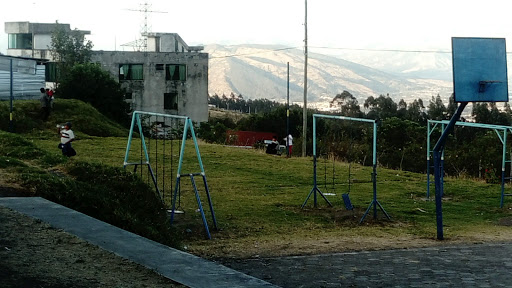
257, 198
257, 201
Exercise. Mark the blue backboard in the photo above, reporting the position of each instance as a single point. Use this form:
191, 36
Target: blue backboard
479, 69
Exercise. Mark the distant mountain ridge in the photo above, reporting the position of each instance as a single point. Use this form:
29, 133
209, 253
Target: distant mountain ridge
260, 71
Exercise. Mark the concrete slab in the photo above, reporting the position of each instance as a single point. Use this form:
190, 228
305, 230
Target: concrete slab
179, 266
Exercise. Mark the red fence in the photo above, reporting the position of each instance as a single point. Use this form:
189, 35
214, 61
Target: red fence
246, 138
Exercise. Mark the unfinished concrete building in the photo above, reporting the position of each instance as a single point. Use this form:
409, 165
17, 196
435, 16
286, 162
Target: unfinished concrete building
167, 77
162, 82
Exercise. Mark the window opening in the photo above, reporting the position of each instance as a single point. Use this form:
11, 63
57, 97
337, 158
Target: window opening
171, 101
131, 72
176, 72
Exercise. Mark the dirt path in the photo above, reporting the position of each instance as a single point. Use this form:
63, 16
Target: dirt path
33, 254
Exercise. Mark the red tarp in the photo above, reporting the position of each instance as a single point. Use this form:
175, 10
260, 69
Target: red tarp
246, 138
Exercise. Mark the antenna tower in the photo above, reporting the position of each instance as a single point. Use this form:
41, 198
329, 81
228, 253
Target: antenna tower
141, 44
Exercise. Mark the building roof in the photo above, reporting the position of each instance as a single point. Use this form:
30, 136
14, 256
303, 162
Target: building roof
178, 37
38, 28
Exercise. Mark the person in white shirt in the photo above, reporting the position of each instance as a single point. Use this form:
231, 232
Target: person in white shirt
66, 137
289, 142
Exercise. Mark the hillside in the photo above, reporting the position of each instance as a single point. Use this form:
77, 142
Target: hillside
259, 71
222, 113
32, 165
257, 197
86, 120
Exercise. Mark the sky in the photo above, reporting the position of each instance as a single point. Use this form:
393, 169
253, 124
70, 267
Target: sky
336, 24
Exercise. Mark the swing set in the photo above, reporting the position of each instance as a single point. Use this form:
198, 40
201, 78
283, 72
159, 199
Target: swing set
345, 196
166, 128
501, 131
315, 190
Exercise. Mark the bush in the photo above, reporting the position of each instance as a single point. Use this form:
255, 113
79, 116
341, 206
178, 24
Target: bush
127, 203
91, 84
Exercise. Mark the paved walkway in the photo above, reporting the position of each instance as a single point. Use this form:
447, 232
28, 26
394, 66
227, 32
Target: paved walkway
179, 266
482, 265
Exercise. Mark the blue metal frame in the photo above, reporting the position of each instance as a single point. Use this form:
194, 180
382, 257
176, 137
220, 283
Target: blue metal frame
188, 126
315, 188
500, 130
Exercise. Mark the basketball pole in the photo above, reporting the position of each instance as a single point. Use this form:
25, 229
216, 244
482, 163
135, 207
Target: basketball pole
438, 168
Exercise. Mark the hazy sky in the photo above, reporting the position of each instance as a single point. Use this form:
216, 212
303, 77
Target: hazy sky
358, 24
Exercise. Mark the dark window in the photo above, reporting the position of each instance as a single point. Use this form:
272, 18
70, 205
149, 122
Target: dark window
128, 95
20, 41
176, 72
159, 67
157, 44
171, 101
51, 72
131, 72
176, 49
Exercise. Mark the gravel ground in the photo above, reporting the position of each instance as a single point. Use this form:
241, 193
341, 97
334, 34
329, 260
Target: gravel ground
33, 254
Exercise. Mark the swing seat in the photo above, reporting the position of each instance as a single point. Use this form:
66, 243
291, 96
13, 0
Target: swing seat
176, 211
346, 200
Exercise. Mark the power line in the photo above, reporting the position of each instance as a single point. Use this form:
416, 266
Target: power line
336, 48
383, 50
341, 48
254, 53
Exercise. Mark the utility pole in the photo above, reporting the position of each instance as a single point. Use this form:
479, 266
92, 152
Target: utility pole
305, 109
288, 110
11, 125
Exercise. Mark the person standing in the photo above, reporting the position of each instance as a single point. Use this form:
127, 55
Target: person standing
45, 104
289, 143
66, 137
49, 92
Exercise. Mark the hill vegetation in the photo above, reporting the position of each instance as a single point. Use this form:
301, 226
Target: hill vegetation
105, 192
256, 197
402, 131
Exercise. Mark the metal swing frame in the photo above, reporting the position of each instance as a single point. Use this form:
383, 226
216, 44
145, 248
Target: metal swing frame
500, 130
315, 188
188, 125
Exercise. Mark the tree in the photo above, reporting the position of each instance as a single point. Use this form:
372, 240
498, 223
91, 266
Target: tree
401, 142
347, 103
402, 109
69, 48
91, 84
436, 108
382, 107
415, 112
481, 113
452, 107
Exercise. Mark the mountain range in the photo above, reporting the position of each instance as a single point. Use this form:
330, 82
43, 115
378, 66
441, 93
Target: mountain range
260, 71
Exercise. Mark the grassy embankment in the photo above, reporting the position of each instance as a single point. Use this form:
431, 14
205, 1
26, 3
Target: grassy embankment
256, 197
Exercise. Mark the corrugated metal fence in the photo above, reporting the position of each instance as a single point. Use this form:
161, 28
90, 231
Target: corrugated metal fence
28, 78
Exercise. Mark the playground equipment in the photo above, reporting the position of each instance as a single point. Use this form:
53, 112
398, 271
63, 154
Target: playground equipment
166, 128
479, 75
374, 203
500, 130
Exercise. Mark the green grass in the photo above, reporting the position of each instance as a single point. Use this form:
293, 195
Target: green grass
256, 197
258, 194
